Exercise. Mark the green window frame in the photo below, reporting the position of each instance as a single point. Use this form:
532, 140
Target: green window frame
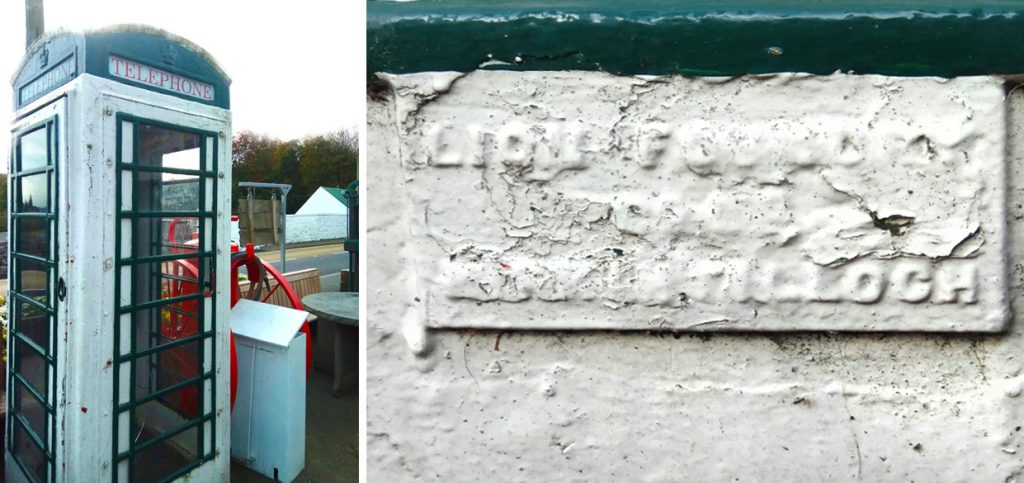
148, 293
26, 303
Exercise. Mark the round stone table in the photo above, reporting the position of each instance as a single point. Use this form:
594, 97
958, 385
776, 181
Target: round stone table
340, 310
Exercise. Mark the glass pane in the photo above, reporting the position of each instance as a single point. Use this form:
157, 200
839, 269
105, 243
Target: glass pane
34, 193
31, 279
33, 150
154, 328
157, 416
166, 236
164, 280
34, 324
168, 192
164, 459
30, 455
31, 366
168, 148
28, 406
166, 323
33, 237
167, 368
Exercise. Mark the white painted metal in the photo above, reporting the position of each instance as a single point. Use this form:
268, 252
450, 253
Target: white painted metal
87, 218
269, 420
267, 323
707, 204
456, 405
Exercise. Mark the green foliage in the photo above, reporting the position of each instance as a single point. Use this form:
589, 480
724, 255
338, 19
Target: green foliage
306, 164
3, 202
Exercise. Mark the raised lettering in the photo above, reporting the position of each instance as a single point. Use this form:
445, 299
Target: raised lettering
515, 145
159, 78
910, 281
655, 142
707, 205
956, 284
445, 153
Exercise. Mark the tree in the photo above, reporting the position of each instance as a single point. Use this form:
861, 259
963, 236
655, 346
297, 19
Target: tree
285, 169
329, 160
3, 202
251, 157
321, 160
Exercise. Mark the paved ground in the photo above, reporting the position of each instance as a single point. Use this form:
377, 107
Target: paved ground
332, 438
332, 425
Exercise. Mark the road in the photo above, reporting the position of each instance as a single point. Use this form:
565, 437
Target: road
329, 259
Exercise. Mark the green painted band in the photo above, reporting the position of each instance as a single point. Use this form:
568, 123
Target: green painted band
435, 36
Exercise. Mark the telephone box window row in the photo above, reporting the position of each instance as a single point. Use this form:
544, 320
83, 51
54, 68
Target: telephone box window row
32, 339
165, 299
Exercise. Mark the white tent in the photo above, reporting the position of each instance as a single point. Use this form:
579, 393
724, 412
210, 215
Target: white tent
325, 201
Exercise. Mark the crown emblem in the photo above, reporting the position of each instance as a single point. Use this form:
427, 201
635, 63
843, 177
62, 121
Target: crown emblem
169, 53
44, 57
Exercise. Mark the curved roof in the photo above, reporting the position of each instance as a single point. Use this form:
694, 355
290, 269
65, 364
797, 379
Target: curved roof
61, 55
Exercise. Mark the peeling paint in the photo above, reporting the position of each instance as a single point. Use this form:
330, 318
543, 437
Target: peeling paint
704, 203
660, 404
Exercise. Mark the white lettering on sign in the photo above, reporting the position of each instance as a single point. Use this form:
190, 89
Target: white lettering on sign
56, 76
790, 202
151, 76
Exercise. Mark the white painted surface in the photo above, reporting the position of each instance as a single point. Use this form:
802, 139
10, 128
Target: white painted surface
450, 404
706, 204
308, 228
87, 216
322, 203
266, 323
269, 420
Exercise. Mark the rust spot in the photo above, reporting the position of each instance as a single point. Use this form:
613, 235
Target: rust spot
378, 89
84, 409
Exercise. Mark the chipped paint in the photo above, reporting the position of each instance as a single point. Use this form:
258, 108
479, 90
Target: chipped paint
656, 405
87, 183
872, 203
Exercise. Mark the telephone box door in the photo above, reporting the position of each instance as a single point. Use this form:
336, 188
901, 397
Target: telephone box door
37, 290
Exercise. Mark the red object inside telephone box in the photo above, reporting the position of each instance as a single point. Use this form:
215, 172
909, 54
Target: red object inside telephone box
179, 320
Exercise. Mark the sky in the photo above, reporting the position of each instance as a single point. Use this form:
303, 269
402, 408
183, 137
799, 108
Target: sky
297, 67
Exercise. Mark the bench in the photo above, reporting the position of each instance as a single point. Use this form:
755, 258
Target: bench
304, 282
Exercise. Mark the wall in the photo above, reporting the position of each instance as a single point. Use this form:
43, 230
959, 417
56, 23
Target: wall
472, 403
307, 228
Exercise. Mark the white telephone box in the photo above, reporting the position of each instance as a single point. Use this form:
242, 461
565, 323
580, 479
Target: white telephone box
119, 221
